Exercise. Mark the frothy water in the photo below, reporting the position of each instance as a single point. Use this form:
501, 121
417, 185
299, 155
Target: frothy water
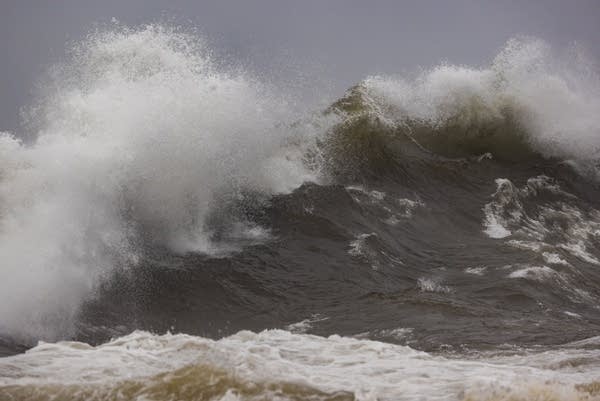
546, 227
280, 365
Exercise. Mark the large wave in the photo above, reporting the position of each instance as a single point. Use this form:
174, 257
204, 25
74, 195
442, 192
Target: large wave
140, 140
137, 139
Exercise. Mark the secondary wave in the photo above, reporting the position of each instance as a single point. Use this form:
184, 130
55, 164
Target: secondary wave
528, 102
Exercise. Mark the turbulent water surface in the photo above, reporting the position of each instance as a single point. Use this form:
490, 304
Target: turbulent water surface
171, 229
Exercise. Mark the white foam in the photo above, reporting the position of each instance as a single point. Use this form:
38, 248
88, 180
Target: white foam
572, 314
538, 273
360, 248
398, 334
534, 246
305, 325
554, 258
578, 249
495, 229
478, 271
370, 370
408, 206
432, 285
359, 245
504, 209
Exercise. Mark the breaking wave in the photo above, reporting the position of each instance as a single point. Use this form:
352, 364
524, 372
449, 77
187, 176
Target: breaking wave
138, 139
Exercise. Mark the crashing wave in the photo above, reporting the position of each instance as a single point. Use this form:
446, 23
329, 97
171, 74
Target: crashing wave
525, 104
138, 140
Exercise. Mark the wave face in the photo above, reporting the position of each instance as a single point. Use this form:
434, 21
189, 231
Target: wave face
429, 238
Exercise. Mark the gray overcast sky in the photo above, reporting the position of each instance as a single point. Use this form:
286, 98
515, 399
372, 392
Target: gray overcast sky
333, 43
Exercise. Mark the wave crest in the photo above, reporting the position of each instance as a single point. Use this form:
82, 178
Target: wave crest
527, 102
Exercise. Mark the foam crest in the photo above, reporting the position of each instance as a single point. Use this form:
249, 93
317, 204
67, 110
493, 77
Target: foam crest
528, 94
